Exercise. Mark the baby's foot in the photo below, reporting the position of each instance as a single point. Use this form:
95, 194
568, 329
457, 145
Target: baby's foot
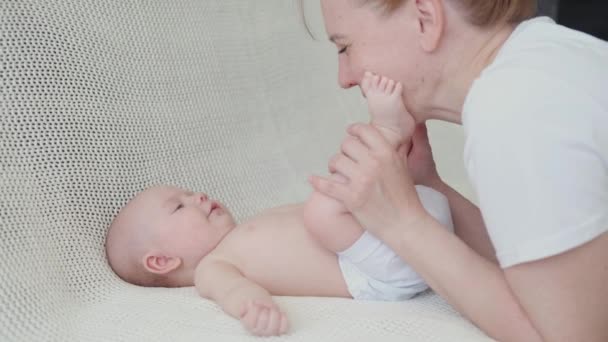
386, 107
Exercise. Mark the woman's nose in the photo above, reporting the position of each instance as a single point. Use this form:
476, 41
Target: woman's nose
346, 78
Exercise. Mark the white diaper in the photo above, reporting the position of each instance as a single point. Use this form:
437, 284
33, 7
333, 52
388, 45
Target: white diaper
372, 270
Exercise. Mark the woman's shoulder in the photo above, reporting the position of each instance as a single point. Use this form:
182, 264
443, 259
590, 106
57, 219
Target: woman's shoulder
531, 92
541, 52
542, 42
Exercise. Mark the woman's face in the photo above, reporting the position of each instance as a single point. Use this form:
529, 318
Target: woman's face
367, 39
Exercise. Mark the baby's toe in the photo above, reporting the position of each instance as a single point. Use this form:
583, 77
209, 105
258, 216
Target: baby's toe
366, 82
383, 84
398, 88
375, 81
390, 86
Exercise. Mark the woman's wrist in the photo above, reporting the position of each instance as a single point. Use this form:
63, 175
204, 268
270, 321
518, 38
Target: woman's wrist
435, 183
408, 226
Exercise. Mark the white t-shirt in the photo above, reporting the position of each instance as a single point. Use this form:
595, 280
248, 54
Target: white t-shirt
536, 151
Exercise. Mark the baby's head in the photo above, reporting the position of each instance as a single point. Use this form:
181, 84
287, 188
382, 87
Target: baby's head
160, 236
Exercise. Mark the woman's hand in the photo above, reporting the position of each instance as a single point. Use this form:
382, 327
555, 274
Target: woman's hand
378, 189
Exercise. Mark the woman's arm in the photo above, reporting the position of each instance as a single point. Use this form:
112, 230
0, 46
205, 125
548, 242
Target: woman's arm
381, 195
563, 297
468, 223
566, 296
476, 287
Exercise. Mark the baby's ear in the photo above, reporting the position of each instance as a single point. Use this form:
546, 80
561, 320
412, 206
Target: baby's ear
157, 263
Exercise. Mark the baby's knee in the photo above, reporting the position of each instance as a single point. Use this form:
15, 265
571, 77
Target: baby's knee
320, 211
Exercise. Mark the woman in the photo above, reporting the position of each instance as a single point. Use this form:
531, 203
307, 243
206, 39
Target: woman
533, 263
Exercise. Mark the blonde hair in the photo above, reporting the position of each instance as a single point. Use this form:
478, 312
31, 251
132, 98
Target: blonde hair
483, 13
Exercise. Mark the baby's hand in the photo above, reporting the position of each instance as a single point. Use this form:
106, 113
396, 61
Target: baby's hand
264, 318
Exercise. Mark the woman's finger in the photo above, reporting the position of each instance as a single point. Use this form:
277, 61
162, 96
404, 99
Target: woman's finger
369, 136
343, 165
354, 148
338, 177
331, 188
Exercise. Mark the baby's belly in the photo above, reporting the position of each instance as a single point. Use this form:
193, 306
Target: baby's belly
289, 262
305, 274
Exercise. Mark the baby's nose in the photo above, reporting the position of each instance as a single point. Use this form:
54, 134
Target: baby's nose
202, 197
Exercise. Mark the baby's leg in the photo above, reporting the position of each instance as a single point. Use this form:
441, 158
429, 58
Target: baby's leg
386, 107
327, 219
330, 223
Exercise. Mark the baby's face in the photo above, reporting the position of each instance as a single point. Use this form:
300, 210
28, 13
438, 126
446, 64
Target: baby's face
186, 224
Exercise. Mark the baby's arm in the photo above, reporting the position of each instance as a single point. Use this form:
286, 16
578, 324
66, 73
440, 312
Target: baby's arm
330, 222
240, 297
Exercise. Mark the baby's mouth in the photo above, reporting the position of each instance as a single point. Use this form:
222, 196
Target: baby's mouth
214, 208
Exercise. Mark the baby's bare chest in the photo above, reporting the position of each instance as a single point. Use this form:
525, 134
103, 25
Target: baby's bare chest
276, 251
272, 236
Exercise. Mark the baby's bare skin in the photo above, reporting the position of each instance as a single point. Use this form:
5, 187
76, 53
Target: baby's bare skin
185, 238
275, 250
172, 237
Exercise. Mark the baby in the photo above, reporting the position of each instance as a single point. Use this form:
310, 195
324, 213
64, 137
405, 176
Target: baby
171, 237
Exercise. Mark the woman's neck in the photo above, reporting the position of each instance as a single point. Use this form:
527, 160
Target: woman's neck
478, 49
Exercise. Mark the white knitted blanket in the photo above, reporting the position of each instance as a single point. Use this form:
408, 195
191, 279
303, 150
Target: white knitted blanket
100, 99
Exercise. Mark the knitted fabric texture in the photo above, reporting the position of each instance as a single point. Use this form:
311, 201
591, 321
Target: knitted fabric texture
100, 99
